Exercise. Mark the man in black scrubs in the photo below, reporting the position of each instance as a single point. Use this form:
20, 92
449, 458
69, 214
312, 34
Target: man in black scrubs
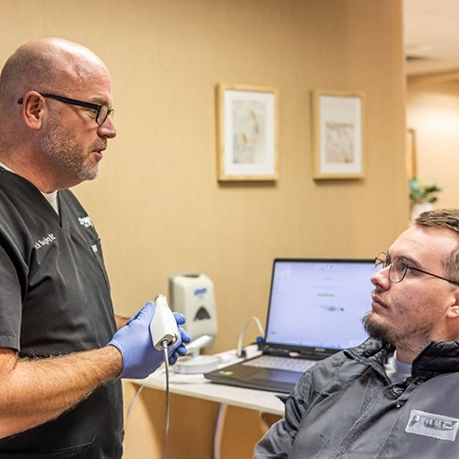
61, 356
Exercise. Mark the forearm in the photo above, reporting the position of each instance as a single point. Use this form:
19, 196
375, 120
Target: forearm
36, 391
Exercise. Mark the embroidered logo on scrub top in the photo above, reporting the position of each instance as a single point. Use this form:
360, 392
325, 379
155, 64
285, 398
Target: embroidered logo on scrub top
45, 241
85, 221
432, 425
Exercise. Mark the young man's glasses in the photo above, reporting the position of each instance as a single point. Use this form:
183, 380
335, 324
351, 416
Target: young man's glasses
399, 266
102, 111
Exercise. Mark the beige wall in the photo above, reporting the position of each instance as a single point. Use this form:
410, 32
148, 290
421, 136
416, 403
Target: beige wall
433, 112
158, 206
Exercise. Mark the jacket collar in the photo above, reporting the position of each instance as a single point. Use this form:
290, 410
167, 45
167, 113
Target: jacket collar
436, 358
373, 353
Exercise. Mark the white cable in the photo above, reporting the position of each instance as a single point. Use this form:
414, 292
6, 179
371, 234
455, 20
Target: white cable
241, 336
218, 433
131, 405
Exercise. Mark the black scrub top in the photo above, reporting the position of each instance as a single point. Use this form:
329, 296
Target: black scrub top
54, 300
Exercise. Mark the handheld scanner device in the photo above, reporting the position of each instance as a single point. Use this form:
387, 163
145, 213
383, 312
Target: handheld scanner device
163, 327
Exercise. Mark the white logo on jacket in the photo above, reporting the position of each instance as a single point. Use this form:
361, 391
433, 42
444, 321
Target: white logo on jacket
85, 221
432, 425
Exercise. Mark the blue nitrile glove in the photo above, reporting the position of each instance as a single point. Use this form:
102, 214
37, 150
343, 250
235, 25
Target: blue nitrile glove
178, 348
133, 340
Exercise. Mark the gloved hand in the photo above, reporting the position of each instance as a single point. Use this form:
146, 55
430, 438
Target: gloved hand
134, 342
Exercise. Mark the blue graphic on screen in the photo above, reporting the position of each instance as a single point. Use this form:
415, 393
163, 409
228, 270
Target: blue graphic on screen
319, 304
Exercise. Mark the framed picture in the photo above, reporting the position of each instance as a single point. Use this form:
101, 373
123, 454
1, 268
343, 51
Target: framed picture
338, 151
411, 166
247, 133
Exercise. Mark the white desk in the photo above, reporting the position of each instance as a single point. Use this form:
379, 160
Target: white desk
263, 401
199, 387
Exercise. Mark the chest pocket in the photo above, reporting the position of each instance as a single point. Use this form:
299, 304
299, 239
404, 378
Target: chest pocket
96, 249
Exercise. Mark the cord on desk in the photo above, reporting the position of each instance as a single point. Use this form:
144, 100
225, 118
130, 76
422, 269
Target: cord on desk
240, 352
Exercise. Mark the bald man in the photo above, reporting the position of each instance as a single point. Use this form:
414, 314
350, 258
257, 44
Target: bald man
61, 356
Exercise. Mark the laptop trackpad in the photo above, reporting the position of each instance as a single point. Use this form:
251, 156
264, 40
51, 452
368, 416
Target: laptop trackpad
274, 375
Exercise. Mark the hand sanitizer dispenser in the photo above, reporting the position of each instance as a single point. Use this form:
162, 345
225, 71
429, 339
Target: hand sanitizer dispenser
192, 294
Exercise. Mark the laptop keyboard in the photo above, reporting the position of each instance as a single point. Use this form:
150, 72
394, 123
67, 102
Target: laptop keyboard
280, 363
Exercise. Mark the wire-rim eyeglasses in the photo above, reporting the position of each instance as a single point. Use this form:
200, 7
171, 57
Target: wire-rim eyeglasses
399, 266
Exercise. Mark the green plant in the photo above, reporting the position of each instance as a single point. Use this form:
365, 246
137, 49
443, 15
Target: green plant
421, 193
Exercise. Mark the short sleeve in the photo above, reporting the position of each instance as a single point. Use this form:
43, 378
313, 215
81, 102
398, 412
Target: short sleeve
10, 301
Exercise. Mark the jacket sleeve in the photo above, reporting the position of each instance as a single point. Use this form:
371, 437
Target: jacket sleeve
278, 441
319, 382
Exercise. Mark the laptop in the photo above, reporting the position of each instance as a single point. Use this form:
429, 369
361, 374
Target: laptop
315, 309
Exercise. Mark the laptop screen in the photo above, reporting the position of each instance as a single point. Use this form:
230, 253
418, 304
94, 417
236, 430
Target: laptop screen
319, 303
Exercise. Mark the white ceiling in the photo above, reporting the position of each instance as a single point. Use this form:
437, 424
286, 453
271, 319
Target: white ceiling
431, 35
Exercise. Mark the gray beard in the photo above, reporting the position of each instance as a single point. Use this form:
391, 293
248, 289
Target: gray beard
67, 152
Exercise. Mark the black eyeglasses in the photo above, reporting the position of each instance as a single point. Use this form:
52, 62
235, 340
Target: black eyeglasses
102, 110
399, 266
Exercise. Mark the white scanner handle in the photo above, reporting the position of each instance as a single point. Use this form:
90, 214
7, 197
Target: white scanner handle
163, 327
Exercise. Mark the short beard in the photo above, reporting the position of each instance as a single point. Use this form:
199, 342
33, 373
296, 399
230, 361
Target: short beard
67, 152
377, 330
384, 333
